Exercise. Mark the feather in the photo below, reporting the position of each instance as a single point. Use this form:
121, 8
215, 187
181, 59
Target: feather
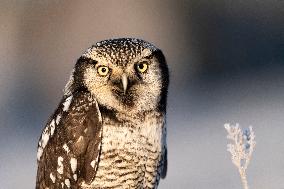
66, 158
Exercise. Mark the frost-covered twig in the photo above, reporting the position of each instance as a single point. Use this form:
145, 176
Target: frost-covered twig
241, 149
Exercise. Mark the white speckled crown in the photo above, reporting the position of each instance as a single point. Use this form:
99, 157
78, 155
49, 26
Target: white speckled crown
120, 50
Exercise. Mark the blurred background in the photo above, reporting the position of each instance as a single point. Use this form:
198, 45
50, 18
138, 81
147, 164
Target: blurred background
226, 59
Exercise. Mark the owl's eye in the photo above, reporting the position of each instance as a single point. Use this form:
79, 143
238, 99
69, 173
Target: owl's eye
103, 70
142, 67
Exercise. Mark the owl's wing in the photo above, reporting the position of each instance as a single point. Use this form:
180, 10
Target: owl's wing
164, 164
164, 159
69, 147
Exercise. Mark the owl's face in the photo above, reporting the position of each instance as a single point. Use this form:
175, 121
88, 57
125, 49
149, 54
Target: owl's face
125, 75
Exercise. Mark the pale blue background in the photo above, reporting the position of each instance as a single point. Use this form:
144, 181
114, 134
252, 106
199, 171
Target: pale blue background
226, 59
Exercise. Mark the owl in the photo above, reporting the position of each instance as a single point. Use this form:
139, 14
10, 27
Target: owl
109, 129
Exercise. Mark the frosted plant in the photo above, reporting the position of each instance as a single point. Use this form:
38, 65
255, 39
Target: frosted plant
241, 149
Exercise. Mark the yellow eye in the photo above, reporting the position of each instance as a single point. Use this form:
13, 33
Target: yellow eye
103, 70
142, 67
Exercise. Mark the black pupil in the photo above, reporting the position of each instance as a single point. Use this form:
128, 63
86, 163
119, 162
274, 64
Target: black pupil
141, 66
103, 69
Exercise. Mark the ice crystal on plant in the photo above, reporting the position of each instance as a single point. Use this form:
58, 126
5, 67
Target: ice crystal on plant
241, 148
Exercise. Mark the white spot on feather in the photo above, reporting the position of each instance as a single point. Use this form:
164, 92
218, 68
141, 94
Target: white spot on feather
80, 138
44, 137
67, 182
60, 165
39, 153
67, 103
73, 163
67, 88
66, 148
85, 131
52, 127
75, 177
99, 112
52, 177
93, 163
146, 52
58, 117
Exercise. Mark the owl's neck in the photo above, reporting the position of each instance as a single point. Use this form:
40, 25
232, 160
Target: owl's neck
128, 115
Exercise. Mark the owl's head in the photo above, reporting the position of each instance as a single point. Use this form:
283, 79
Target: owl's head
124, 75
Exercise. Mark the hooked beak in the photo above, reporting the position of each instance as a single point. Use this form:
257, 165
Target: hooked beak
124, 81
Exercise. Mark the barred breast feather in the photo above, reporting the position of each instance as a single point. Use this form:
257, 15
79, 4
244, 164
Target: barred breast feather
132, 153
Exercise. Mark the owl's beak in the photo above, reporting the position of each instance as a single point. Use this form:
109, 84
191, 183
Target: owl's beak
124, 81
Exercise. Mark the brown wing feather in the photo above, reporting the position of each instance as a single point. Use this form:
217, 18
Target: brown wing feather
75, 144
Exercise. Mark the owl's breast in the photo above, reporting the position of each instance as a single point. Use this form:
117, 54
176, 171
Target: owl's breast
130, 154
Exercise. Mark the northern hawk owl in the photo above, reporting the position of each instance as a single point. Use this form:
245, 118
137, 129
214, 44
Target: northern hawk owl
109, 128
